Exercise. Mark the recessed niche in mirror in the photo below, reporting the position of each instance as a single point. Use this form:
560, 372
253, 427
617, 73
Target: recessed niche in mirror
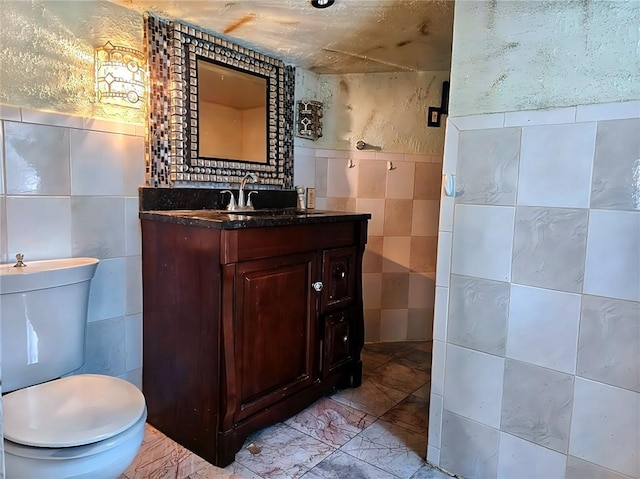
232, 109
185, 121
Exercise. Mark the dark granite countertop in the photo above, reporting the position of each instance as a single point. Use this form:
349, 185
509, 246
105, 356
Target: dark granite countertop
222, 219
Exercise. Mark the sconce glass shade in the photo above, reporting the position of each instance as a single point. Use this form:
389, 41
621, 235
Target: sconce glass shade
120, 76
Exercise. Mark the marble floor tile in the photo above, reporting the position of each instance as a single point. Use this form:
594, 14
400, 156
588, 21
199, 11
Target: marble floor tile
392, 448
161, 458
232, 471
390, 349
305, 445
371, 397
372, 360
344, 466
284, 453
331, 422
400, 377
412, 413
423, 391
428, 472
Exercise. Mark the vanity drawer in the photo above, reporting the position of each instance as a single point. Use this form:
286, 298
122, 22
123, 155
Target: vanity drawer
338, 278
339, 340
255, 243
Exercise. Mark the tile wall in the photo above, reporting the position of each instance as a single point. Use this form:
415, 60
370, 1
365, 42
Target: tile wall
537, 305
400, 257
68, 187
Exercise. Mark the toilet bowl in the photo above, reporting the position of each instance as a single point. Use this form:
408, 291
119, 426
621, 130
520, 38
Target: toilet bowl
82, 426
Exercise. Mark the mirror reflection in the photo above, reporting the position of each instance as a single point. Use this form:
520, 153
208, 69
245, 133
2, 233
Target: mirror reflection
232, 109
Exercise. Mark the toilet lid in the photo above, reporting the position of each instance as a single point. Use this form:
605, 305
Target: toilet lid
71, 411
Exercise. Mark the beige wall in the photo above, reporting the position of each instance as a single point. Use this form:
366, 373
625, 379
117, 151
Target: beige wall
386, 110
512, 55
47, 60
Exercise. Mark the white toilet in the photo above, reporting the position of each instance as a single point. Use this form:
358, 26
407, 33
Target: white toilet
83, 426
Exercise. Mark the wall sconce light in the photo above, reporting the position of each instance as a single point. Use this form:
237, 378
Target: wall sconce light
309, 124
120, 76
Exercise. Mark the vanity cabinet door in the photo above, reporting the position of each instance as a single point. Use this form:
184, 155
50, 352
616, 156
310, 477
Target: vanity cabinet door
338, 276
338, 339
275, 330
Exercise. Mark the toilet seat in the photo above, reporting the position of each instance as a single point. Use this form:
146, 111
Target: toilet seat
72, 411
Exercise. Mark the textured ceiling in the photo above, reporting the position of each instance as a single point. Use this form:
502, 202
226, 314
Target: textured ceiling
352, 36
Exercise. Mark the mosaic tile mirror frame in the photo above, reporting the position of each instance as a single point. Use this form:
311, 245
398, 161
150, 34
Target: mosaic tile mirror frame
172, 50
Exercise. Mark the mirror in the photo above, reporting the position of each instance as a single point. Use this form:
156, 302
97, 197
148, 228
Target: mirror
233, 113
198, 134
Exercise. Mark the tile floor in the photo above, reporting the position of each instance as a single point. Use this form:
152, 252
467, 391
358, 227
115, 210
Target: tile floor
376, 431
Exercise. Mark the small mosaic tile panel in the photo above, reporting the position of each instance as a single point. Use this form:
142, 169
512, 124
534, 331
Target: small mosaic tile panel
173, 49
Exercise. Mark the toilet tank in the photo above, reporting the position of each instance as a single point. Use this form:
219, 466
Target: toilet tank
43, 319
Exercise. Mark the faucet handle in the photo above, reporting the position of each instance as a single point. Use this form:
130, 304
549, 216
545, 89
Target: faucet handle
249, 204
232, 200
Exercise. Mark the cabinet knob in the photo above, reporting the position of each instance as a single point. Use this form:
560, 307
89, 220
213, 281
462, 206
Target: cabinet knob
318, 286
345, 338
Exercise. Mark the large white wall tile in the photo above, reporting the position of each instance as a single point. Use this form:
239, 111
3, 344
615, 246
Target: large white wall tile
488, 166
451, 148
468, 448
555, 165
133, 164
524, 460
478, 314
39, 227
483, 241
425, 218
613, 256
579, 469
438, 359
107, 296
304, 168
537, 409
543, 327
604, 426
549, 248
473, 385
37, 159
4, 256
342, 181
435, 420
440, 313
2, 162
97, 162
132, 233
105, 347
443, 262
616, 172
97, 226
609, 344
133, 292
447, 205
401, 180
133, 339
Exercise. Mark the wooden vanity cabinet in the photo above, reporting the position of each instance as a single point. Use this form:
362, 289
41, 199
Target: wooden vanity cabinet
246, 327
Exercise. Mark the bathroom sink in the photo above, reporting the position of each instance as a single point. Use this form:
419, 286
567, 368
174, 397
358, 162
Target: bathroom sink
277, 212
236, 215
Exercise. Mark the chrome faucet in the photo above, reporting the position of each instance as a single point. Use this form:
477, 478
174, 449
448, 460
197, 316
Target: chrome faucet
242, 203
